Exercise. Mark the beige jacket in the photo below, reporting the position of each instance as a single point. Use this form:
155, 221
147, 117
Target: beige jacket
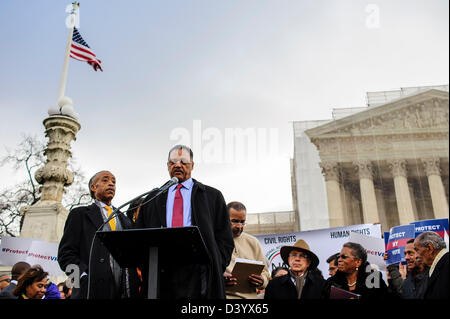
248, 247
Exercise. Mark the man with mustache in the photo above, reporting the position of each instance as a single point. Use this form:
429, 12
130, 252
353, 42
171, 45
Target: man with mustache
190, 203
107, 279
248, 247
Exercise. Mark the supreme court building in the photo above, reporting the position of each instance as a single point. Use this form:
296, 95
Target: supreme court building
387, 162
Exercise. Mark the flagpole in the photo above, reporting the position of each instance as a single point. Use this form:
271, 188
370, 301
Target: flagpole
62, 86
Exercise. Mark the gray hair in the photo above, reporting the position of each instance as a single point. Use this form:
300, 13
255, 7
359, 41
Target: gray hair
181, 147
432, 238
358, 251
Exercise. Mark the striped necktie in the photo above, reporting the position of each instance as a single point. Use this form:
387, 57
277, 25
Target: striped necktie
112, 222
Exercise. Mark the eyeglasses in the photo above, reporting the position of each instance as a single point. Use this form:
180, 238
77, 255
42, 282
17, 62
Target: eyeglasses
298, 255
345, 256
6, 279
237, 221
178, 160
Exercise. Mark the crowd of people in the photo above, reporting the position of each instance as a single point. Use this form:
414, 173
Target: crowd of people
32, 282
192, 203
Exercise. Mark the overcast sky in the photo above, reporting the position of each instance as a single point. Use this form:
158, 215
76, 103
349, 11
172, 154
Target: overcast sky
201, 71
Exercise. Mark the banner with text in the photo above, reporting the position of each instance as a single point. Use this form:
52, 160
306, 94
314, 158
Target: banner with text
32, 251
323, 242
375, 249
439, 226
398, 236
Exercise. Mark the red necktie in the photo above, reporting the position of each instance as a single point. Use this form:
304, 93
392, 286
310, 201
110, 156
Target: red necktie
177, 218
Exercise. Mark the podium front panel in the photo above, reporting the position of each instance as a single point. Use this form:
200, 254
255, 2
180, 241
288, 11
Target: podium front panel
130, 247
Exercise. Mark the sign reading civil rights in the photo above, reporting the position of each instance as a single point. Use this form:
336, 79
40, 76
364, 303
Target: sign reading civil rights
398, 236
32, 251
323, 242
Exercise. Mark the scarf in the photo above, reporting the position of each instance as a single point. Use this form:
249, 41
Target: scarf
299, 282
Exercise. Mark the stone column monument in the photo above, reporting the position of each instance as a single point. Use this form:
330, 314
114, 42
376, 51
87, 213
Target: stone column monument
45, 219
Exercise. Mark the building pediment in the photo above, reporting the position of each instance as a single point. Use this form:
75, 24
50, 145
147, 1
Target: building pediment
425, 112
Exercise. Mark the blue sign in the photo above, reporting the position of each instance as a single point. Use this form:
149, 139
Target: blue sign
439, 226
398, 236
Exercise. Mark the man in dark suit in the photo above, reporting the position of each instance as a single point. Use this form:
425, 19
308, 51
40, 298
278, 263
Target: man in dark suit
17, 270
105, 278
431, 249
191, 203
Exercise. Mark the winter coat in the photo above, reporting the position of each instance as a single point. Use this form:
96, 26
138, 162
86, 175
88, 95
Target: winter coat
437, 284
284, 288
414, 285
75, 249
369, 288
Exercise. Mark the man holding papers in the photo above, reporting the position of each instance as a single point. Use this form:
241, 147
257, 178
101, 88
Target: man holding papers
248, 267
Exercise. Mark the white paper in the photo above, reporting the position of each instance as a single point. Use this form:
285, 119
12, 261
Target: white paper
248, 261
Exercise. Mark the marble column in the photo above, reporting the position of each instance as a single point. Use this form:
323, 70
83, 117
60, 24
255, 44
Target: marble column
413, 201
336, 212
355, 207
402, 193
368, 197
45, 219
381, 205
438, 197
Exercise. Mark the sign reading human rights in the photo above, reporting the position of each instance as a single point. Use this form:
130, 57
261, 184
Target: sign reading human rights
398, 236
323, 242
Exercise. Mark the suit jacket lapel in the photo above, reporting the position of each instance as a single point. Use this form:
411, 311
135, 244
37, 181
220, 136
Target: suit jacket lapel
95, 215
161, 206
195, 189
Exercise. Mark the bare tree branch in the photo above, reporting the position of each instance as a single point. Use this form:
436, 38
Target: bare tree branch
26, 158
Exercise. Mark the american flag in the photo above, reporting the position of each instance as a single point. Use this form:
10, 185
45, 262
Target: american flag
81, 51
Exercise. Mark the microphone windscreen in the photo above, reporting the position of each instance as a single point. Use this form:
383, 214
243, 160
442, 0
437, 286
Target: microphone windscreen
174, 180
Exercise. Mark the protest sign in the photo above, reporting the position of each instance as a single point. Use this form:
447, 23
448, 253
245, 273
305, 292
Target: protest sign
386, 239
323, 242
13, 250
32, 251
375, 249
439, 226
398, 236
46, 255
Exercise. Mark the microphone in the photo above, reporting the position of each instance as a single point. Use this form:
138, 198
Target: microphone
166, 186
162, 189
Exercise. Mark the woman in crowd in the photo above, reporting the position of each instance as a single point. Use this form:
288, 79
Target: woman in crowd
32, 284
353, 274
303, 281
